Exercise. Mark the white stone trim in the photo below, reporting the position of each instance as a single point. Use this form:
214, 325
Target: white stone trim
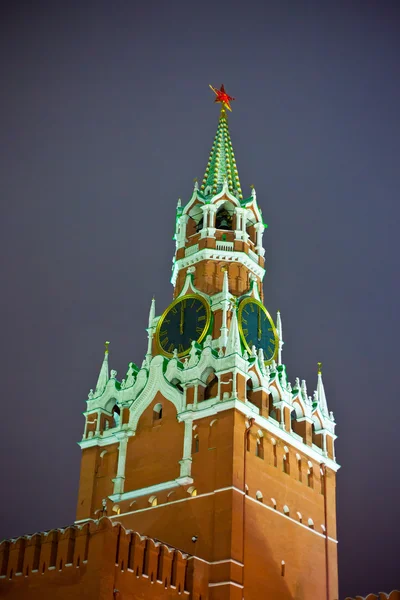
226, 583
151, 489
266, 423
193, 498
217, 562
214, 254
277, 512
156, 383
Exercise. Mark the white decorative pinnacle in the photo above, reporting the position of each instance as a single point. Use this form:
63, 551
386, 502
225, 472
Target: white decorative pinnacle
103, 375
150, 329
152, 312
179, 204
225, 307
233, 345
321, 394
304, 391
261, 360
194, 359
280, 336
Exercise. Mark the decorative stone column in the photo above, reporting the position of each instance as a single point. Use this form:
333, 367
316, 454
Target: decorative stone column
259, 227
244, 223
186, 462
238, 230
98, 421
212, 213
119, 480
181, 235
204, 230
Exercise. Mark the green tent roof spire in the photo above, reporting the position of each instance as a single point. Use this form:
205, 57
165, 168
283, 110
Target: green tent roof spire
222, 164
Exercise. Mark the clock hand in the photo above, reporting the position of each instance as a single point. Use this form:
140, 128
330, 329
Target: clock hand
181, 321
259, 331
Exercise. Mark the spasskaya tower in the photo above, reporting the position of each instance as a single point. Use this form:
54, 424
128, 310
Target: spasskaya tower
205, 472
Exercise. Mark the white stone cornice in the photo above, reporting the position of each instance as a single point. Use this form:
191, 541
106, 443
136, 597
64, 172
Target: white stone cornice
270, 425
218, 255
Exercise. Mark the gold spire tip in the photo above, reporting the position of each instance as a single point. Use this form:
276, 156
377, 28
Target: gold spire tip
106, 344
320, 368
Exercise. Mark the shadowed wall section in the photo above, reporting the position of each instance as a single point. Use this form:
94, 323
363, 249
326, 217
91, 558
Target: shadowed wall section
99, 559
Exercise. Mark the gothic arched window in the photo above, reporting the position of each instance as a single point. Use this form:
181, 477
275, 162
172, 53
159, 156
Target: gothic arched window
157, 412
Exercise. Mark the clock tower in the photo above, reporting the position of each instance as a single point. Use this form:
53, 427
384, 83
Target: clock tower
207, 447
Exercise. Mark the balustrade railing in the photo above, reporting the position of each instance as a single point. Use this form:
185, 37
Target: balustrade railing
223, 245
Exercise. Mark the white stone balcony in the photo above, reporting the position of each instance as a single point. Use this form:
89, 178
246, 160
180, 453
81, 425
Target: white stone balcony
226, 246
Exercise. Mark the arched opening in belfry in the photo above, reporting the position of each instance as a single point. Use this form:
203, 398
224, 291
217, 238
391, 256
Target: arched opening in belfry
249, 390
317, 437
211, 388
296, 427
250, 220
195, 221
271, 410
116, 413
223, 218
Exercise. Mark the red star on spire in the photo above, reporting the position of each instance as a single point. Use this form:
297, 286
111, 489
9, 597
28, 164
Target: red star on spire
222, 96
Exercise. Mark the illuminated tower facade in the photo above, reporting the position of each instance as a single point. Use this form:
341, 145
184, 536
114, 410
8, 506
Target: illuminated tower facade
207, 448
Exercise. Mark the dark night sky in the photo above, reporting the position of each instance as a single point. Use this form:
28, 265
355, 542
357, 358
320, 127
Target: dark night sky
106, 118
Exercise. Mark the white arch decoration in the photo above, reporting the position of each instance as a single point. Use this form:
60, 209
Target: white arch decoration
155, 383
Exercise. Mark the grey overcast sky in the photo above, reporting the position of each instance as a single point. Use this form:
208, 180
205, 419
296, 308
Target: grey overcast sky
106, 119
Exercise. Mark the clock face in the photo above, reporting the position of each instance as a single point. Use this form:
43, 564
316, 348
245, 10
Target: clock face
257, 328
186, 320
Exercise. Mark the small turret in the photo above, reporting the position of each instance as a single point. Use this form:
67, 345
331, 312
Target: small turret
321, 393
225, 305
150, 329
103, 375
280, 335
233, 345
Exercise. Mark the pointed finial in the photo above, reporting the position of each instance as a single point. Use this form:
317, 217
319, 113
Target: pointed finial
179, 204
233, 344
152, 312
103, 375
321, 393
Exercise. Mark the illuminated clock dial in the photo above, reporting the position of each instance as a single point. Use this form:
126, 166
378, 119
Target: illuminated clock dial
186, 320
257, 328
